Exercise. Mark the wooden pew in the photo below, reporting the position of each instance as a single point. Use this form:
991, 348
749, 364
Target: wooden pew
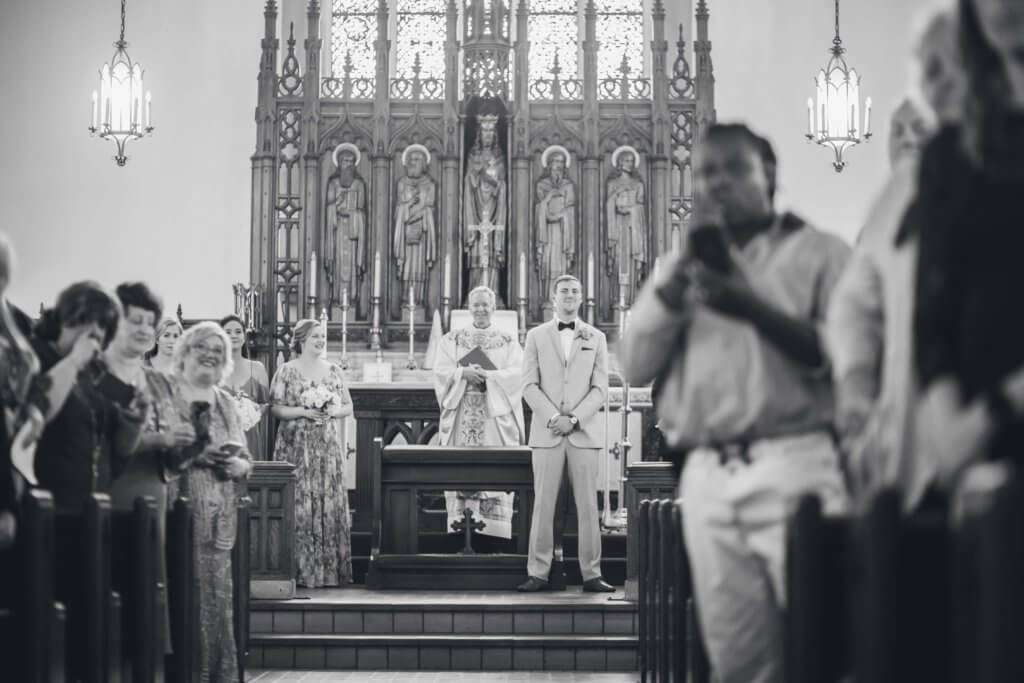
82, 582
902, 594
996, 541
32, 624
135, 576
182, 665
817, 595
240, 580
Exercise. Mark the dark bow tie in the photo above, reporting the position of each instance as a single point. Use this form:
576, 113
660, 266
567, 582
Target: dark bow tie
567, 326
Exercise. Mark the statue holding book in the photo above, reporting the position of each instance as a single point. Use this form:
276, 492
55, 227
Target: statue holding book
478, 382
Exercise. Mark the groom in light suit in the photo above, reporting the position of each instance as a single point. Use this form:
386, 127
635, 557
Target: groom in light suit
565, 380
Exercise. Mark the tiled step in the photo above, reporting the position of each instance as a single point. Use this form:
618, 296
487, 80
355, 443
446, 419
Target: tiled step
463, 652
359, 629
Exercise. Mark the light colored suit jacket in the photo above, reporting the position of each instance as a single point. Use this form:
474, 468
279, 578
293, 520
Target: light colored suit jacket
554, 385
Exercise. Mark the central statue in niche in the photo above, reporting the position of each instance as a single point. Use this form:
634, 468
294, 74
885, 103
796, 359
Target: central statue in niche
415, 239
485, 201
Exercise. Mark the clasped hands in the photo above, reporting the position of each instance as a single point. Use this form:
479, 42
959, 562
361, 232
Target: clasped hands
225, 461
474, 374
561, 425
321, 414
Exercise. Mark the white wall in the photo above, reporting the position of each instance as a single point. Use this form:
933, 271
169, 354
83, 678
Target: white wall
178, 214
766, 54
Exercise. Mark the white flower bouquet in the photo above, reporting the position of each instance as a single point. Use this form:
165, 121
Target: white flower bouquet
249, 412
318, 398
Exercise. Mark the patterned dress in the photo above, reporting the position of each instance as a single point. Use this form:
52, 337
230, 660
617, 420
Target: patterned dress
215, 516
323, 539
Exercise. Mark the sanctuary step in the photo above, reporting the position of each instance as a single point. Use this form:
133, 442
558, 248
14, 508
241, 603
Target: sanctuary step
613, 552
359, 629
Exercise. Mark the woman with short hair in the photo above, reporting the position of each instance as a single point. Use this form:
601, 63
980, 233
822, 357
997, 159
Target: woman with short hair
308, 396
89, 438
210, 467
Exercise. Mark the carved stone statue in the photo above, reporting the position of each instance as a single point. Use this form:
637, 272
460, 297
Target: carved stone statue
555, 218
485, 194
626, 222
345, 225
415, 241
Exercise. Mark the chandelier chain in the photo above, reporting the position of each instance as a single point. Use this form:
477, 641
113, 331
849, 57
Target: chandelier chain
837, 41
122, 21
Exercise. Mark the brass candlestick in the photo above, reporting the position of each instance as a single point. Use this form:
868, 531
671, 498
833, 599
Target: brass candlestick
410, 364
343, 361
375, 331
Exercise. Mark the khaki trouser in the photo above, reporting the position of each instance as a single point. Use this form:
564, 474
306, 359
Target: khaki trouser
734, 516
548, 464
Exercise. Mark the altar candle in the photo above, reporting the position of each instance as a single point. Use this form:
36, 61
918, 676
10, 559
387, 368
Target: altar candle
591, 282
447, 275
312, 274
522, 275
810, 117
95, 109
412, 301
376, 274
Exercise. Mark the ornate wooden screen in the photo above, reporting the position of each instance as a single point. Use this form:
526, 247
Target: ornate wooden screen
511, 174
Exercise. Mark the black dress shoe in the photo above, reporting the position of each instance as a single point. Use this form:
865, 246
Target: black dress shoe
597, 585
533, 585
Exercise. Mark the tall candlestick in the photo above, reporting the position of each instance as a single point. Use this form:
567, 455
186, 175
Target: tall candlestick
312, 274
591, 281
447, 284
376, 274
522, 275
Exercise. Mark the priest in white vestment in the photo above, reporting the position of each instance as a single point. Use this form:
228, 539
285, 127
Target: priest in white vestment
481, 404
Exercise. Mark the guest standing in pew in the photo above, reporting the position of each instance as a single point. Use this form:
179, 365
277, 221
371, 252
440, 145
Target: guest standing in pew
249, 385
480, 407
871, 315
211, 465
161, 356
968, 218
89, 438
146, 473
309, 396
730, 326
22, 404
565, 381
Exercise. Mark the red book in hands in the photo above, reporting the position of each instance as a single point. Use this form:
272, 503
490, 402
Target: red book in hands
477, 357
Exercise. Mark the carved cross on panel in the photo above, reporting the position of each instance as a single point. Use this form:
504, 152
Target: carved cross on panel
467, 525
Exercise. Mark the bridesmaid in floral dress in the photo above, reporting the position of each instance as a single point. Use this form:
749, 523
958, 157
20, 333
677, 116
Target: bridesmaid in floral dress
249, 385
308, 395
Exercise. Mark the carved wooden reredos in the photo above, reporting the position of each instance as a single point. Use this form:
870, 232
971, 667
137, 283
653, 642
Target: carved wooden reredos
481, 163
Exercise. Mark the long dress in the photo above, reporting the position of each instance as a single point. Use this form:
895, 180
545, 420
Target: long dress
215, 517
145, 474
323, 538
255, 437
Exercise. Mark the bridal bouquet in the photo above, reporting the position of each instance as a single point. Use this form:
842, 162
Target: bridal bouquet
249, 412
317, 398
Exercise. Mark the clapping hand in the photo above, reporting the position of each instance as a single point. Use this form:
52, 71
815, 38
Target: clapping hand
729, 294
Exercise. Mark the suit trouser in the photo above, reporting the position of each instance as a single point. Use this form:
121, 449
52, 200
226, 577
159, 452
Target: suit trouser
548, 464
734, 517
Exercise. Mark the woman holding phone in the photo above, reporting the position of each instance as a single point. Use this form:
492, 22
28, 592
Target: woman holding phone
209, 468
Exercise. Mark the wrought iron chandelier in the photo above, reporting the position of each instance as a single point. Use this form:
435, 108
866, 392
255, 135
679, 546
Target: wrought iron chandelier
835, 119
119, 111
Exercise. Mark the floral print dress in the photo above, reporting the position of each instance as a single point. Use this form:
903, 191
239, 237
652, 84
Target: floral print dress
323, 537
215, 518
